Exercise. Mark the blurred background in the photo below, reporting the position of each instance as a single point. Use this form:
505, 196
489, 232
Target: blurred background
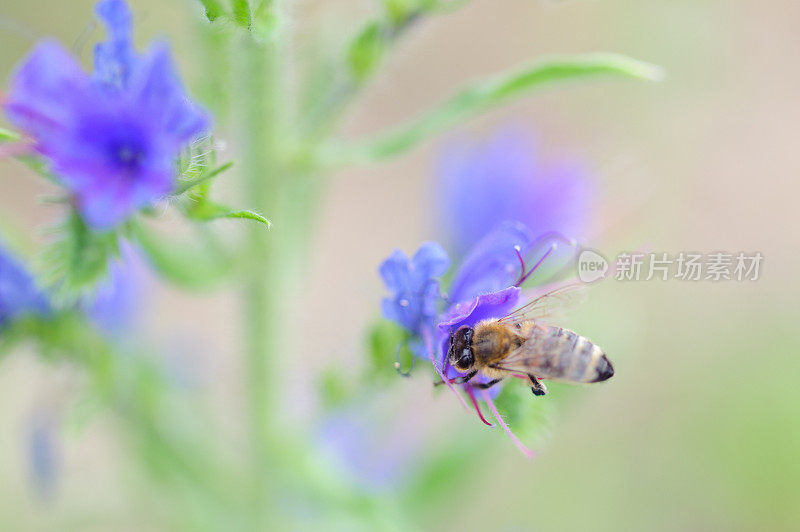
699, 429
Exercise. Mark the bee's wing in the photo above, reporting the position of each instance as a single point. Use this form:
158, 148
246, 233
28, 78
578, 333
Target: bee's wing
551, 305
533, 357
558, 354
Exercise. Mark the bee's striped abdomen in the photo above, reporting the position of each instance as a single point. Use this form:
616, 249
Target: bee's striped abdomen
572, 357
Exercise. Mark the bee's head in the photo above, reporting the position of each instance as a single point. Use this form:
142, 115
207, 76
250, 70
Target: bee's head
460, 352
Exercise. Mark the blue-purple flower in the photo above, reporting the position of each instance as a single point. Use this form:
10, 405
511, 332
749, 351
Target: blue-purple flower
116, 305
43, 452
19, 295
111, 138
374, 451
114, 59
414, 285
481, 186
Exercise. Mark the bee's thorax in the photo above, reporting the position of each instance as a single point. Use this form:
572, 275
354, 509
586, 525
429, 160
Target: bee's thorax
493, 341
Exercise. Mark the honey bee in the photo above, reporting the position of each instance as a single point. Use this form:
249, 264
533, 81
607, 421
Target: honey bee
520, 344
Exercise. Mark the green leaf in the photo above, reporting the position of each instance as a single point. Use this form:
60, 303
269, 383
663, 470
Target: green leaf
207, 210
32, 161
527, 414
38, 165
213, 9
191, 266
244, 215
386, 345
6, 135
186, 185
366, 51
241, 13
335, 390
265, 20
77, 260
440, 471
482, 96
400, 11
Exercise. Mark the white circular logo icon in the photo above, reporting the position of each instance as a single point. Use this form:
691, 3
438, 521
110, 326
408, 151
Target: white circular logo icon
592, 266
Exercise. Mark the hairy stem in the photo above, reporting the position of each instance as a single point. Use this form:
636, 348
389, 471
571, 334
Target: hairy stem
260, 108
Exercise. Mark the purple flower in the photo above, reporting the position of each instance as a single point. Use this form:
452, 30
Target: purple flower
481, 186
117, 302
19, 295
492, 264
486, 285
114, 59
414, 285
374, 451
111, 139
43, 452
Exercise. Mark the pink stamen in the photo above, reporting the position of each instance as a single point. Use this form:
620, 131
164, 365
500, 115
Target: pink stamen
525, 276
521, 261
527, 452
471, 394
552, 235
426, 336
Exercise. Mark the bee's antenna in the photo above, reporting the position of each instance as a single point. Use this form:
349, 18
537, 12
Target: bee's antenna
398, 366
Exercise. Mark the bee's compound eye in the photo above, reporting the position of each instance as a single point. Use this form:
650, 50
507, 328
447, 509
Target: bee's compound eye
466, 359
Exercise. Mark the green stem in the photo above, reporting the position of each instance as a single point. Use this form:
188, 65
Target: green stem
260, 107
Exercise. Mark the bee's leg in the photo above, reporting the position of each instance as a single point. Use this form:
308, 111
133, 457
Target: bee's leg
459, 380
465, 378
486, 385
537, 387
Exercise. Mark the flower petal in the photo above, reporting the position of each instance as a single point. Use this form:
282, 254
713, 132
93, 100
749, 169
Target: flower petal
485, 306
395, 270
19, 295
481, 185
44, 91
114, 59
492, 264
414, 284
430, 261
157, 91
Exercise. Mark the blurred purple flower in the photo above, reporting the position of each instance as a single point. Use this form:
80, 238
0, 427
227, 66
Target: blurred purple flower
112, 140
414, 285
374, 452
492, 263
481, 186
115, 305
19, 295
43, 453
114, 59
